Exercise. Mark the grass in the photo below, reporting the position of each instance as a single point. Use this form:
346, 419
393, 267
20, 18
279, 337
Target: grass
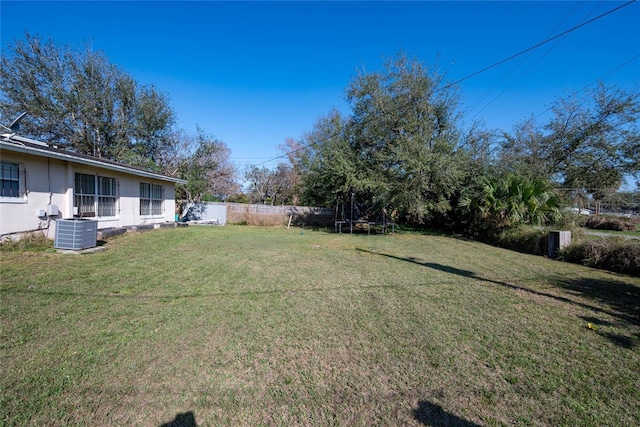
635, 234
246, 326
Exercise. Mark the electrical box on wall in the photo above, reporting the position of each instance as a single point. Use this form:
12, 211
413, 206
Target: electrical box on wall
52, 210
41, 213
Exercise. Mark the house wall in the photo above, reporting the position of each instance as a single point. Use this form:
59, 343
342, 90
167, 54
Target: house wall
51, 182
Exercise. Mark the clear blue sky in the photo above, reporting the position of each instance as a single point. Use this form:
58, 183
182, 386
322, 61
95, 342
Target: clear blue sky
256, 73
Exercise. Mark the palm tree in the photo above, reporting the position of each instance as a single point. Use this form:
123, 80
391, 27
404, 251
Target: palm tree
512, 200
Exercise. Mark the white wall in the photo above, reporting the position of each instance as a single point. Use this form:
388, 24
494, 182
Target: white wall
207, 211
50, 181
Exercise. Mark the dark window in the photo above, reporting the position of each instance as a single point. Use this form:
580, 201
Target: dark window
9, 179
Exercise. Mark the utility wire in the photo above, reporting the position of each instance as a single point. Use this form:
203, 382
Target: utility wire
624, 64
522, 61
532, 65
474, 74
542, 43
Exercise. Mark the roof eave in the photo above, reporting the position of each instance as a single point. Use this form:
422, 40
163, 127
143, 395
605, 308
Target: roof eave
60, 155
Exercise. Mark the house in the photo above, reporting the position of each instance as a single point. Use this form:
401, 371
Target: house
40, 184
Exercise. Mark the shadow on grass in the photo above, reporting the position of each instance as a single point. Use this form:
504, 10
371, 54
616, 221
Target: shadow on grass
595, 323
431, 414
186, 419
622, 298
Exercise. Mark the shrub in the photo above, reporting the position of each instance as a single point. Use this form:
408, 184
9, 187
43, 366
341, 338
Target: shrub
606, 222
37, 242
523, 239
611, 253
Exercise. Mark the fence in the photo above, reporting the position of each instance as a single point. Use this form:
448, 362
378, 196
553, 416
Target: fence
279, 215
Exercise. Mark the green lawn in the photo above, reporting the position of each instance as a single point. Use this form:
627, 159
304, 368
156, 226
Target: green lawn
244, 326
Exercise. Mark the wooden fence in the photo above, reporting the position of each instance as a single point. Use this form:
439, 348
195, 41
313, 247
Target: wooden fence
279, 215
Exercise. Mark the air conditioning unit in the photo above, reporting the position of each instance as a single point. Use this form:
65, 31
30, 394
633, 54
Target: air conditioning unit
76, 234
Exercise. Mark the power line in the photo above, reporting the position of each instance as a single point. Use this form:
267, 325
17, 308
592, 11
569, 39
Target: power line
523, 60
474, 74
624, 64
542, 43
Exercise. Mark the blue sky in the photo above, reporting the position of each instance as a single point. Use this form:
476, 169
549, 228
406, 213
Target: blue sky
256, 73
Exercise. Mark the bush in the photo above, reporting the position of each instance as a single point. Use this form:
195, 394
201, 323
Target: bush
29, 242
524, 239
611, 253
606, 222
569, 220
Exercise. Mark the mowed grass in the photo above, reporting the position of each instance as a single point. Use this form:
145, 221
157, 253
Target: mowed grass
246, 326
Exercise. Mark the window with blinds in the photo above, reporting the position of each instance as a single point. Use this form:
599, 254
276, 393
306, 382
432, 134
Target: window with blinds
150, 199
95, 195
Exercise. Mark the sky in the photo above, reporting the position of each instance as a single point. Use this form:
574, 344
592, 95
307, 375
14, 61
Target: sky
253, 74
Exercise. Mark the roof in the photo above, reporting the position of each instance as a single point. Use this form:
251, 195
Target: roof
13, 142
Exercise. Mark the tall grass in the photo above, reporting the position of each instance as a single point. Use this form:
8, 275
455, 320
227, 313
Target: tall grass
610, 253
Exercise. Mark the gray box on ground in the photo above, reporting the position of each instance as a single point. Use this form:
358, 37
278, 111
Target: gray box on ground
76, 233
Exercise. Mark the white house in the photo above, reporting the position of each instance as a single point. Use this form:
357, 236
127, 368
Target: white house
40, 184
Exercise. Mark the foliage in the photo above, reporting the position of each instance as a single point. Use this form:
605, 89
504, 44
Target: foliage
512, 200
610, 253
238, 198
525, 239
331, 167
608, 222
271, 186
296, 159
396, 150
203, 161
35, 242
80, 101
587, 146
570, 220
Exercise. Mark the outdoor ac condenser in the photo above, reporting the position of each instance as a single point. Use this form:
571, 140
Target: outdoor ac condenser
76, 234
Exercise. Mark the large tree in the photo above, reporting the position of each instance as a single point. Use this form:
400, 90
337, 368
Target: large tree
273, 186
587, 146
77, 99
203, 161
294, 167
331, 167
397, 150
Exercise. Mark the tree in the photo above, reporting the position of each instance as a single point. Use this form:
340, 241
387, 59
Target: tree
261, 185
511, 200
587, 146
330, 165
80, 101
297, 157
273, 186
526, 151
203, 161
397, 150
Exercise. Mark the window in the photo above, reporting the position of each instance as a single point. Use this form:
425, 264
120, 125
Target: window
95, 195
9, 179
106, 196
85, 199
150, 199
